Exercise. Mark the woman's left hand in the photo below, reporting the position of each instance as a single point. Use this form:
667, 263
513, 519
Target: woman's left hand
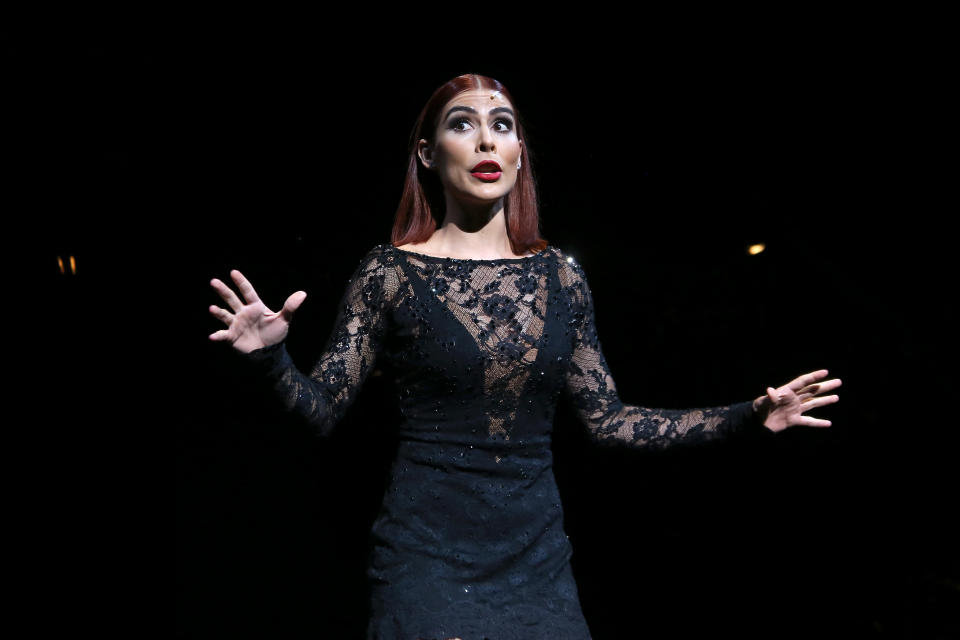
784, 407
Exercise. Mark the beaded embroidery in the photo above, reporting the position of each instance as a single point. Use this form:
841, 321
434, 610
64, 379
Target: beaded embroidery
502, 305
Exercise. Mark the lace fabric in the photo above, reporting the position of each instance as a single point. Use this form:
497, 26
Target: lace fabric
502, 304
598, 405
469, 541
322, 397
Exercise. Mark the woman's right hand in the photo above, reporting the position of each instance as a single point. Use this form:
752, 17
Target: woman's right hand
252, 325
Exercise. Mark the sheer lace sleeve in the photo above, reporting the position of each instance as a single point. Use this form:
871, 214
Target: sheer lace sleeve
590, 386
324, 396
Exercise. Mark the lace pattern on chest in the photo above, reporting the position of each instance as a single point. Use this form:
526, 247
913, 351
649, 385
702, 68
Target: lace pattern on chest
502, 306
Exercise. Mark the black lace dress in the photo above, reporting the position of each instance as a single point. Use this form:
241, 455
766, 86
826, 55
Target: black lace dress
469, 541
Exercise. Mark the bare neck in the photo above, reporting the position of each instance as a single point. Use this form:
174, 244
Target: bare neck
476, 232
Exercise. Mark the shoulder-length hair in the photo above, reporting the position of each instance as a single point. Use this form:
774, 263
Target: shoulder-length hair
422, 204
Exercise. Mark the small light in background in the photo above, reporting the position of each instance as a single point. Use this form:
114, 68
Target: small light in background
73, 265
754, 249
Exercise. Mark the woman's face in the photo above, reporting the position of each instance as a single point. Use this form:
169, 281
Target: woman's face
475, 128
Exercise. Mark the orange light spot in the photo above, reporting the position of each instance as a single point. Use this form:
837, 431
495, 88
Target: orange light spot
756, 248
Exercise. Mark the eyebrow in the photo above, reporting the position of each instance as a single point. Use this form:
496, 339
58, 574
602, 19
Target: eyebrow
472, 110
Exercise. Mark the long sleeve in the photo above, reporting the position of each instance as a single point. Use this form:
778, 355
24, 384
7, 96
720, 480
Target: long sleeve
323, 397
591, 388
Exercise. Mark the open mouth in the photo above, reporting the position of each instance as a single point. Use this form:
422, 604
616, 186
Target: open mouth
487, 171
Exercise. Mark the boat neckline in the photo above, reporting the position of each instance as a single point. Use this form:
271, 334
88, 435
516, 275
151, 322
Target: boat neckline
489, 260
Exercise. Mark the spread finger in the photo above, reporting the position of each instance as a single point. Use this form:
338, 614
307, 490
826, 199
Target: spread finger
227, 294
245, 287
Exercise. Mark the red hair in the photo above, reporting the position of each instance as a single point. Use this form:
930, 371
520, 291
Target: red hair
422, 204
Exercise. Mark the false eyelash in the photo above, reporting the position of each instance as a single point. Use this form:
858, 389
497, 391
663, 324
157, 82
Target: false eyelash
453, 124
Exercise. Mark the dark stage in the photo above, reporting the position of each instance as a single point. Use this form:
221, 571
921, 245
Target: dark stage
162, 159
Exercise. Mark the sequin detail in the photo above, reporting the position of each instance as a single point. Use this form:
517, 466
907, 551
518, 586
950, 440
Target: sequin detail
470, 538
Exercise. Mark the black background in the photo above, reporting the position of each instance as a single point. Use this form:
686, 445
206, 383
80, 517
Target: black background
162, 156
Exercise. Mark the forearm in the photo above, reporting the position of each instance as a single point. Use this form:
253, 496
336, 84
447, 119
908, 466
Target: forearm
634, 426
298, 393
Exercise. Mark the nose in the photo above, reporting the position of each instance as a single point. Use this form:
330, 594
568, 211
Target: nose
485, 141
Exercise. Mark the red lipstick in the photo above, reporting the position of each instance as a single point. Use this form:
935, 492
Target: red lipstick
488, 171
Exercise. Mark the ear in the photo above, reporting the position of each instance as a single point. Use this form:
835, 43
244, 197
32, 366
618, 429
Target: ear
425, 153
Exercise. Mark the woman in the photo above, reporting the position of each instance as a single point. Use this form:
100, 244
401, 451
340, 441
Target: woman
485, 325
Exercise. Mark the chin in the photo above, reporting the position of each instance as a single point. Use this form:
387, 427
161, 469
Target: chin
492, 193
485, 199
